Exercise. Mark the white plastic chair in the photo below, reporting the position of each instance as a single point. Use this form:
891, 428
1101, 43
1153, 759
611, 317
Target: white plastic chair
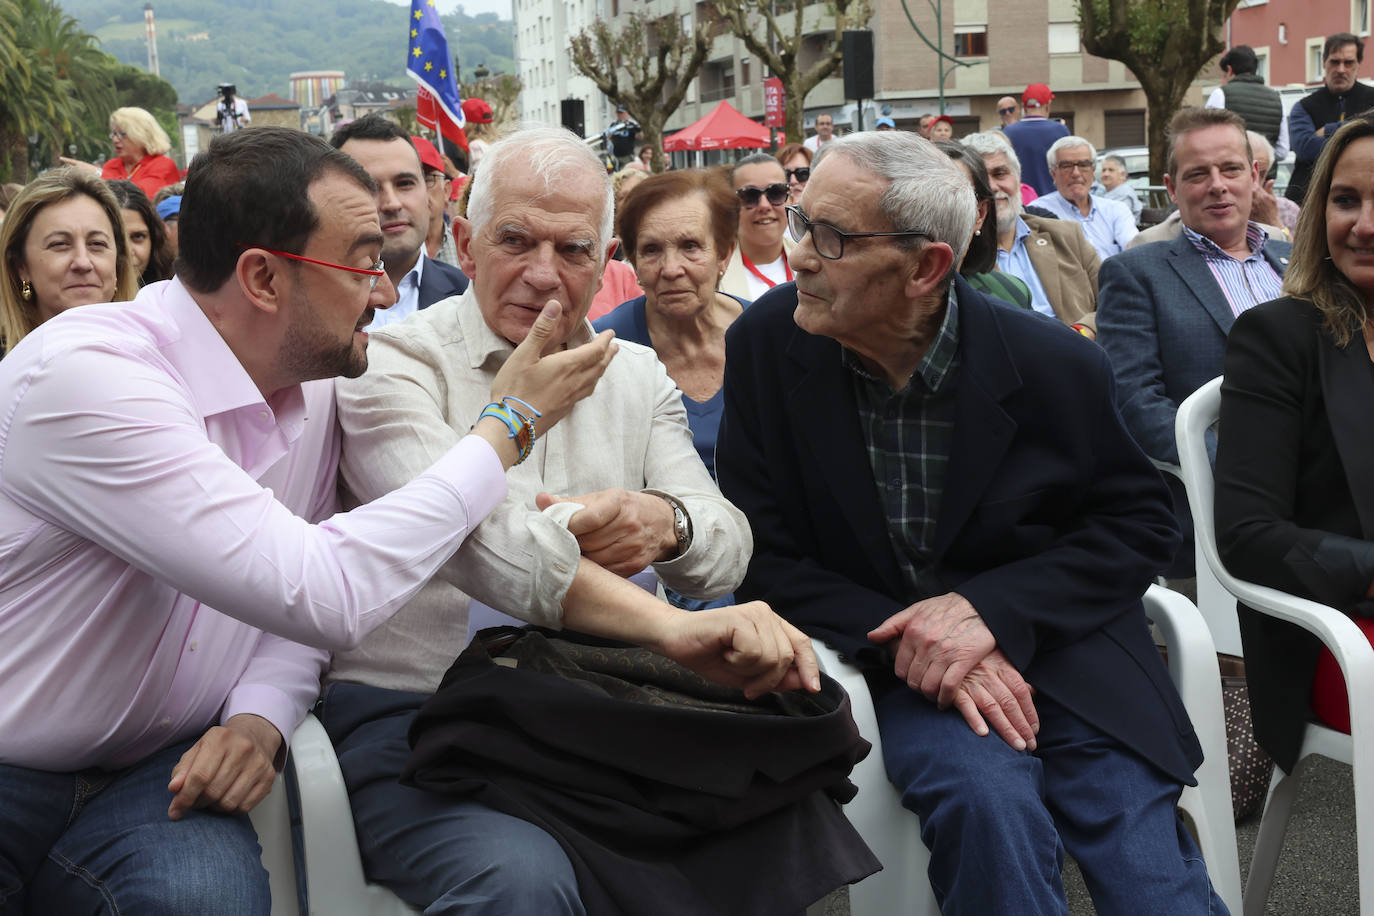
894, 834
1336, 631
1216, 604
272, 820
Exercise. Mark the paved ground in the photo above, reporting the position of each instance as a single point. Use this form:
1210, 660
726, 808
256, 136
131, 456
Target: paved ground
1317, 871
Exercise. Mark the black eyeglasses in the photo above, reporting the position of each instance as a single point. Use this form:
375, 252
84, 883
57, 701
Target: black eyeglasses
828, 240
1011, 110
777, 194
803, 174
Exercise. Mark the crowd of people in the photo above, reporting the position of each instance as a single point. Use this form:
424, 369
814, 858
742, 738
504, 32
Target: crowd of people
274, 438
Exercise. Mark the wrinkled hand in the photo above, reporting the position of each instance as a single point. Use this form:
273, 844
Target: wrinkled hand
620, 530
948, 654
552, 384
995, 693
745, 646
1264, 206
229, 769
941, 639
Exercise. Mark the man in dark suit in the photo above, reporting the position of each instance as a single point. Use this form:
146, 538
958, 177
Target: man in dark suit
403, 206
1164, 309
941, 487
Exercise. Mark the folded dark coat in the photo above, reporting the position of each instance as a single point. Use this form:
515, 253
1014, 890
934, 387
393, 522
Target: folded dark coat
669, 794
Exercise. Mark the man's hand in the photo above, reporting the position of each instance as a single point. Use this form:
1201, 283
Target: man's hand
941, 640
948, 654
1264, 207
745, 646
995, 693
229, 769
620, 530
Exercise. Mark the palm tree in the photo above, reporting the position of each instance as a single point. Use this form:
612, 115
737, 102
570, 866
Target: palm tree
54, 82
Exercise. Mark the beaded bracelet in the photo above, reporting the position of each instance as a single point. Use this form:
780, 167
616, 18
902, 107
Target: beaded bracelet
525, 418
521, 429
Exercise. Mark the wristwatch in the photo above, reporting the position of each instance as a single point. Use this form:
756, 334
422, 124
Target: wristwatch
682, 524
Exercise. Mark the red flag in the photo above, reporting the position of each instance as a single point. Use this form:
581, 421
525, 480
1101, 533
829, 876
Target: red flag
429, 113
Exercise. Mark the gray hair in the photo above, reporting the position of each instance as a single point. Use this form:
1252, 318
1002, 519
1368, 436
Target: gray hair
1052, 154
926, 190
1260, 148
992, 142
549, 153
1113, 157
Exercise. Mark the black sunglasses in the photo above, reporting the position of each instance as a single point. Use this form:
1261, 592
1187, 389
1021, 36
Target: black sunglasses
803, 174
1006, 110
776, 193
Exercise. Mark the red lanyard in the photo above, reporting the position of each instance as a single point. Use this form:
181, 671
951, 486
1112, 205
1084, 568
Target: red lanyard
749, 266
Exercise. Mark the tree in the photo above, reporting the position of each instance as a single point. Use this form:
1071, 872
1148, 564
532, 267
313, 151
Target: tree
1165, 43
58, 84
780, 47
659, 62
501, 91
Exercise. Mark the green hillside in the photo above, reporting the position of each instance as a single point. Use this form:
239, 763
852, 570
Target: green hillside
256, 44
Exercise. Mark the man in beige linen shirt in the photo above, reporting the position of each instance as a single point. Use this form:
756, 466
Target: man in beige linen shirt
615, 487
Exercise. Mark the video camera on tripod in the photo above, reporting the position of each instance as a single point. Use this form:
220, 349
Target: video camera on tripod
232, 112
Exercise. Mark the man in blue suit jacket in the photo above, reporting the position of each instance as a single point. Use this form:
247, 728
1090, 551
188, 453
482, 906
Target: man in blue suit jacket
1164, 309
403, 208
942, 488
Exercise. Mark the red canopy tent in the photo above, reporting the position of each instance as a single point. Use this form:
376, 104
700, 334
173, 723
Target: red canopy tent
723, 128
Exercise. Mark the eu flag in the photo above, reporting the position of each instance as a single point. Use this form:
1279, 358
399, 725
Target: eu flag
428, 60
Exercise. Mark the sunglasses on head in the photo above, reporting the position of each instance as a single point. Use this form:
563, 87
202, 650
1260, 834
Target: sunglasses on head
803, 174
776, 193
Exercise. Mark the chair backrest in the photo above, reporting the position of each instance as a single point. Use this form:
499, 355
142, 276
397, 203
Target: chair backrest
1197, 414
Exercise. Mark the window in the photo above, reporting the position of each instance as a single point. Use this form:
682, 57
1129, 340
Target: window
744, 71
1124, 128
1063, 37
971, 40
717, 81
1314, 60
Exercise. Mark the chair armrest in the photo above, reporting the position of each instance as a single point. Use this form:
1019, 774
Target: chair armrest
333, 866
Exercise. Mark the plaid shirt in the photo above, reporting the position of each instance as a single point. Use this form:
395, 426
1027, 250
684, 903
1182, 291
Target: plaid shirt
908, 434
448, 251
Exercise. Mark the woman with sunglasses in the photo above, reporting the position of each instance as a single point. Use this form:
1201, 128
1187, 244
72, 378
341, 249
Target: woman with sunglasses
796, 165
760, 259
140, 147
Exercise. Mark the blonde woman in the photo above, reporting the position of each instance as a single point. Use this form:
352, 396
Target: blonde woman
140, 152
63, 246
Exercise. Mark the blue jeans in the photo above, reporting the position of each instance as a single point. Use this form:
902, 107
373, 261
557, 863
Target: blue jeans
100, 842
447, 855
998, 821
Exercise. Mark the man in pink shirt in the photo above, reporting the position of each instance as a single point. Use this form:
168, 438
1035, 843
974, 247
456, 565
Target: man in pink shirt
169, 542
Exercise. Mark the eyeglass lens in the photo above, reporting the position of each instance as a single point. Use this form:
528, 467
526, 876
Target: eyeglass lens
1005, 110
776, 193
1083, 165
828, 241
803, 174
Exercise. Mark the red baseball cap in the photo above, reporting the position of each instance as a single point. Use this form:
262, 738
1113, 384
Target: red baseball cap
477, 111
946, 118
429, 156
1037, 95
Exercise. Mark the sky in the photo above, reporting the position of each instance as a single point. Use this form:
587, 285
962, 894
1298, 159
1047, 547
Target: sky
473, 7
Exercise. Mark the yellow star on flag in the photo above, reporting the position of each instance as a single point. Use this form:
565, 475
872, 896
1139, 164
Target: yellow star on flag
415, 51
428, 66
430, 3
443, 74
417, 14
414, 33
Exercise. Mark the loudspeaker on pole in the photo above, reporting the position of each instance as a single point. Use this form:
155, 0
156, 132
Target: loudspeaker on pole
857, 46
573, 113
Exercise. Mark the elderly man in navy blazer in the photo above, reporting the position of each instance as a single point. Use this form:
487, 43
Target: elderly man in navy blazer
1164, 309
941, 487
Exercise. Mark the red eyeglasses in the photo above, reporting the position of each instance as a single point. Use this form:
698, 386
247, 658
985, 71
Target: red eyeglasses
374, 273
